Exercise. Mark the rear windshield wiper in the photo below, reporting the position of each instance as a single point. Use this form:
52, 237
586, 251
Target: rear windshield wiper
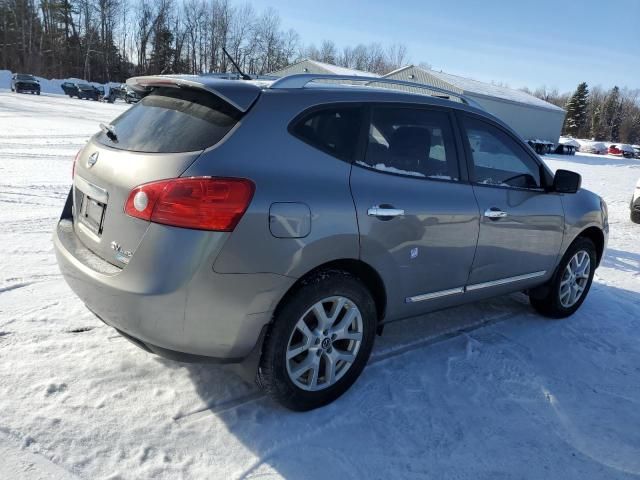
110, 131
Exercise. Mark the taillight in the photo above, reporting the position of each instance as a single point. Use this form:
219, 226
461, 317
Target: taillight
73, 167
202, 203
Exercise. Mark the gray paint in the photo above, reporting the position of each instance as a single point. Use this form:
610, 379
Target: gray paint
289, 220
210, 293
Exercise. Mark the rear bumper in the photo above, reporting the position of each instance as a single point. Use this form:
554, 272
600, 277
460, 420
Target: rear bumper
175, 306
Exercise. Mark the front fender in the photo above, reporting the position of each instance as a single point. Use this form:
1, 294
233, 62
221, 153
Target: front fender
582, 210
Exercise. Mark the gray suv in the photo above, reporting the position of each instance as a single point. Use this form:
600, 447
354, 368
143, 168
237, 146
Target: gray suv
288, 221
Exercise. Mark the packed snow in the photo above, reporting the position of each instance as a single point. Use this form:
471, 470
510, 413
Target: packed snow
489, 390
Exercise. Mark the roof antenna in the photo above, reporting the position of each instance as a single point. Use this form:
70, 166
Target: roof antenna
243, 75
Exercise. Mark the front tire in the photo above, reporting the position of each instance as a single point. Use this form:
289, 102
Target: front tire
635, 216
319, 342
569, 286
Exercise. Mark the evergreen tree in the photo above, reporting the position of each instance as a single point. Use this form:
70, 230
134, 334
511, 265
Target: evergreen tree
615, 124
162, 52
576, 107
611, 114
597, 131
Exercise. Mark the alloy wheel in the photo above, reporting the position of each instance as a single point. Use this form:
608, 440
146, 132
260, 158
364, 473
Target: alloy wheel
575, 279
324, 343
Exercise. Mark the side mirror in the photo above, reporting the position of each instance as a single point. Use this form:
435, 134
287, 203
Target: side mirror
566, 181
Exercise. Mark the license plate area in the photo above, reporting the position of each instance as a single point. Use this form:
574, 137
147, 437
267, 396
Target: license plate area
91, 213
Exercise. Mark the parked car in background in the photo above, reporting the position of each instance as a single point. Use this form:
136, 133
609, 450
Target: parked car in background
131, 96
635, 204
627, 150
199, 224
70, 88
89, 92
614, 150
597, 148
21, 82
636, 151
116, 92
123, 92
567, 146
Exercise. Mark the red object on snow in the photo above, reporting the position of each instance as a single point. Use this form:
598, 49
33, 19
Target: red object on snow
614, 150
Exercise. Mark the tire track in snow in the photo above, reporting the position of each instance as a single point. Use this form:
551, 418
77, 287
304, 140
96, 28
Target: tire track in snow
26, 283
235, 402
15, 286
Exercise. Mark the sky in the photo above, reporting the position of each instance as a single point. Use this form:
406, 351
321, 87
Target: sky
519, 43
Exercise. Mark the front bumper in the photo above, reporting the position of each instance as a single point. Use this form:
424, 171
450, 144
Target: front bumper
174, 305
27, 87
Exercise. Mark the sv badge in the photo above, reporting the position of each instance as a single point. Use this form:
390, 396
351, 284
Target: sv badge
121, 255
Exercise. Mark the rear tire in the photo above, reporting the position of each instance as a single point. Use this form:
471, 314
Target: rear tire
570, 284
635, 216
334, 348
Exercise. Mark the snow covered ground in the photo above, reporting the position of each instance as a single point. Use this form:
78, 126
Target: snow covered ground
483, 391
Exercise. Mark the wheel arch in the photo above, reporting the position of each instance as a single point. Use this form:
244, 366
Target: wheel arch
597, 237
357, 268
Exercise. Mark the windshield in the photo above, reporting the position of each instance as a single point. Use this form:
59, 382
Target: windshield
171, 120
84, 85
25, 77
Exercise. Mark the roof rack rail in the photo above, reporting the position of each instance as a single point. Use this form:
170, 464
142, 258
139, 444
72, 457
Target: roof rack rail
300, 80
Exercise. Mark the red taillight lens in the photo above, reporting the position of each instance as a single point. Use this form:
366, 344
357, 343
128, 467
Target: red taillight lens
201, 203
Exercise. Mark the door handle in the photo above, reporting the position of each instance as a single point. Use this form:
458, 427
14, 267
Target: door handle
378, 211
494, 213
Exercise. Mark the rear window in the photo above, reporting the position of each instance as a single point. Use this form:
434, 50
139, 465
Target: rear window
171, 120
333, 130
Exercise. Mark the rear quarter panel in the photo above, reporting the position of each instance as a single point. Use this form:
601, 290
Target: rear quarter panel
284, 170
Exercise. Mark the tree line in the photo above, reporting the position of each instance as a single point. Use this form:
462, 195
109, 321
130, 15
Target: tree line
599, 114
111, 40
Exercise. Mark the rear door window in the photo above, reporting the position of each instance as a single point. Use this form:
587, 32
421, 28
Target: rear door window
411, 141
171, 120
334, 130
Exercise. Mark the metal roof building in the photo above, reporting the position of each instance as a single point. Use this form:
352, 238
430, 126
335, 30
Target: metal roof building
313, 66
532, 118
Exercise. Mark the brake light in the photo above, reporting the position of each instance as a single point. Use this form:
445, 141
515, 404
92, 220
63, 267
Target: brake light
202, 203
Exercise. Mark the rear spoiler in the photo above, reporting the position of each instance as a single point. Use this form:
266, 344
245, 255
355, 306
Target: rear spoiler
239, 94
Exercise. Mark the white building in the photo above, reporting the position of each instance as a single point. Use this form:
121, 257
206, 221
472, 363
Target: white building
531, 117
313, 66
